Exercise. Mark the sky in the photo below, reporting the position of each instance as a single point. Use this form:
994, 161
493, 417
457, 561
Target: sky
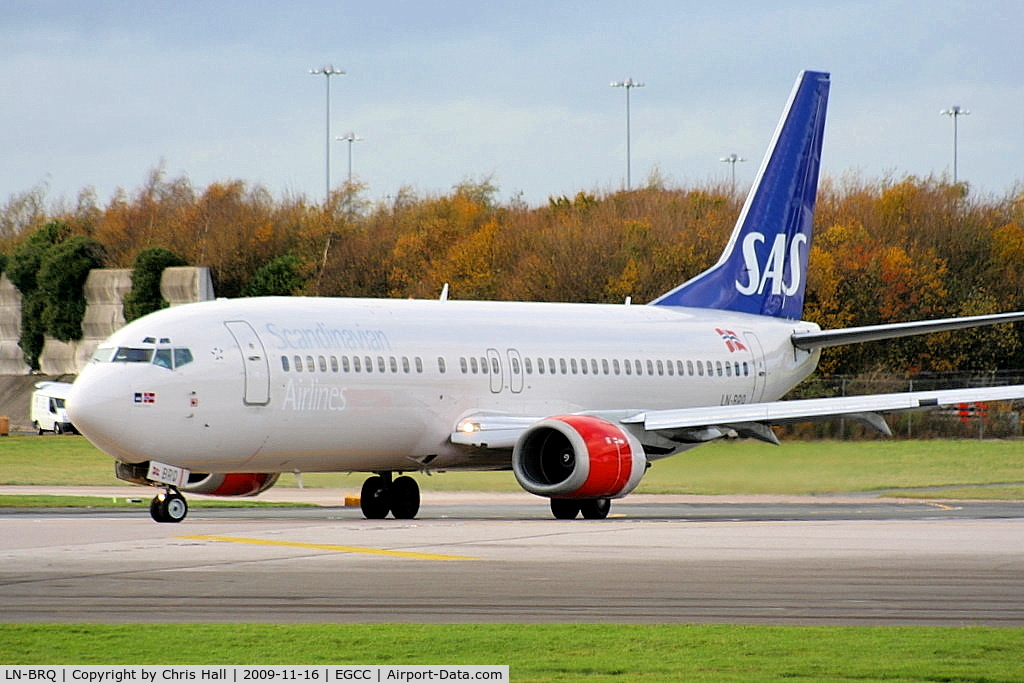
98, 94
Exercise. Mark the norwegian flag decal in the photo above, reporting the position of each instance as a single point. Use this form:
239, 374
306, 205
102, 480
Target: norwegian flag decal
732, 342
145, 397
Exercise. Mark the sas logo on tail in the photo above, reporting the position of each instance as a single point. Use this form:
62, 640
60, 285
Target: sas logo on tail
774, 267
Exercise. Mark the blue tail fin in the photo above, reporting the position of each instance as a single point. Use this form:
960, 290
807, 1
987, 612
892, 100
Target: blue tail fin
763, 268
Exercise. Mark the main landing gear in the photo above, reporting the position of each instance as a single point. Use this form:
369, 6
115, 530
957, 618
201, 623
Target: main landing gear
381, 495
169, 506
592, 508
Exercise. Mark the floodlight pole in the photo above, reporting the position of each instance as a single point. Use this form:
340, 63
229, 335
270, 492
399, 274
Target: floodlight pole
731, 160
628, 84
349, 137
954, 112
327, 71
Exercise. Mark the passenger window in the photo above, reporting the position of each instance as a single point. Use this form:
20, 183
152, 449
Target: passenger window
473, 365
572, 363
639, 368
728, 370
309, 364
700, 369
163, 358
661, 368
323, 364
394, 364
496, 367
344, 364
462, 364
355, 364
441, 365
562, 365
368, 363
689, 368
746, 369
298, 364
711, 369
380, 363
529, 366
483, 365
718, 364
540, 366
583, 365
615, 366
405, 365
628, 367
284, 363
650, 368
679, 367
593, 366
419, 364
515, 365
334, 363
604, 365
551, 365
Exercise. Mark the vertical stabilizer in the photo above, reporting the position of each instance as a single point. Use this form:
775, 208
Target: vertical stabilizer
763, 269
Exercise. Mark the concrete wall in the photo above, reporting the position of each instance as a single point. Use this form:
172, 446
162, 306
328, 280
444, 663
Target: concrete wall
104, 293
12, 362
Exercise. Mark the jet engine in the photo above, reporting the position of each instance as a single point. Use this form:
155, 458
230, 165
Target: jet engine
242, 484
578, 456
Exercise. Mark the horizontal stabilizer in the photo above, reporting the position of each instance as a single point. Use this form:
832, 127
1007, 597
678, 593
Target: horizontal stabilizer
857, 335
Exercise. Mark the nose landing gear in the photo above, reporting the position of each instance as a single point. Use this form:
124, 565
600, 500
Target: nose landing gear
168, 507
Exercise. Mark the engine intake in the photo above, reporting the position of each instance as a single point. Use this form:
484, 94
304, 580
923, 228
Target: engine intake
578, 456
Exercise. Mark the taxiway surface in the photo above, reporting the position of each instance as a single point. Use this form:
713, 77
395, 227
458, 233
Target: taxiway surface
658, 560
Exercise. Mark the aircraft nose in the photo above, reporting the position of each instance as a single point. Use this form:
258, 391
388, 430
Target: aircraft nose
98, 406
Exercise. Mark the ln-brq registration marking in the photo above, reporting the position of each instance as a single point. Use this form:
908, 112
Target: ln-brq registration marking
576, 399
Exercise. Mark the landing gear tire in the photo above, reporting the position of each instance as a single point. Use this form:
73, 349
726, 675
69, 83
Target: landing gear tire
595, 508
563, 508
374, 499
168, 507
405, 498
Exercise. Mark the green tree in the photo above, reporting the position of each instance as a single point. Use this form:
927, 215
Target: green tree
280, 277
144, 296
62, 275
23, 271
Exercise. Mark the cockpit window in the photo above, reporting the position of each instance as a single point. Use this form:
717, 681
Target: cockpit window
104, 354
128, 355
164, 357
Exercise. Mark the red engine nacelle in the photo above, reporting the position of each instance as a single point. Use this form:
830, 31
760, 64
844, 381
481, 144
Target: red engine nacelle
243, 484
578, 456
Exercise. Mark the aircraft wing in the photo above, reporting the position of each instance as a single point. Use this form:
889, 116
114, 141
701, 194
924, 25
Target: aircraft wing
500, 431
864, 408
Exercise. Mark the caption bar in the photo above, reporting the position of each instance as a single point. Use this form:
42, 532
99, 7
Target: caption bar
381, 673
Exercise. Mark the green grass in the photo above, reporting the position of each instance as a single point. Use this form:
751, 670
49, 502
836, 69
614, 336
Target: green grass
565, 652
796, 467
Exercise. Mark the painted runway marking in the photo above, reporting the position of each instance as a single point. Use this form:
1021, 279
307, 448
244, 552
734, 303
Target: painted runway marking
332, 548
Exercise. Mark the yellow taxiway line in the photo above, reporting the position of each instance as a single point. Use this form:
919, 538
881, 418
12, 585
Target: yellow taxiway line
332, 548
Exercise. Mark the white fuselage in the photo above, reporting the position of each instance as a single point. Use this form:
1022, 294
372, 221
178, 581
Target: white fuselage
312, 384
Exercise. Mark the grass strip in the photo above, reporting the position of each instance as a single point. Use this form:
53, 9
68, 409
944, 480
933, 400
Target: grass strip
565, 652
734, 467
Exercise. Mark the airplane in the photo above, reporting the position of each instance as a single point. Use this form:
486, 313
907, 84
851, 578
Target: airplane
220, 397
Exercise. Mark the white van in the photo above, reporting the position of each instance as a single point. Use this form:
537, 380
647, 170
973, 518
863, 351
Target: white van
48, 412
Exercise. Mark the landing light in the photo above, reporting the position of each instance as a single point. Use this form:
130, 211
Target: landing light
469, 427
